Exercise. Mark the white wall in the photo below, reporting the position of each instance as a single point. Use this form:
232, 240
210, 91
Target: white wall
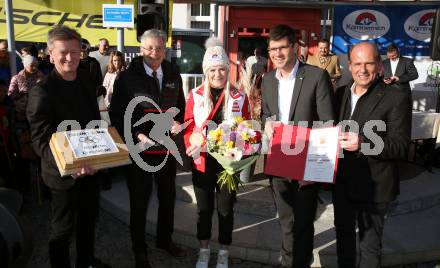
181, 15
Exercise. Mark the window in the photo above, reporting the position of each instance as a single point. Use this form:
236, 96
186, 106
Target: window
200, 9
200, 24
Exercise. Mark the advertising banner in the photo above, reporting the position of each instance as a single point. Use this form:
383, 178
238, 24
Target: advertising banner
409, 27
33, 19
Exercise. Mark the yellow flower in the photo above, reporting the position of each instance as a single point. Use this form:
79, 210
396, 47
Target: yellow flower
212, 135
230, 144
238, 119
244, 135
215, 135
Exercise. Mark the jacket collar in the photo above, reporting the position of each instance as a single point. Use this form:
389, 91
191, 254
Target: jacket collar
137, 65
374, 94
233, 92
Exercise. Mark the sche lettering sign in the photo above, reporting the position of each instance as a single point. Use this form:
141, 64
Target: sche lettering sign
33, 19
366, 24
52, 18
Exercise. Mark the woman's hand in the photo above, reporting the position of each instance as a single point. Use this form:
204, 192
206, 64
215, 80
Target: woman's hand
193, 151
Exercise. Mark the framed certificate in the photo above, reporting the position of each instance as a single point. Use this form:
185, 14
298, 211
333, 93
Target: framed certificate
299, 153
99, 148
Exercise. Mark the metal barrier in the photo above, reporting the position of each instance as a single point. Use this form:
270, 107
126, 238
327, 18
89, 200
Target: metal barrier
191, 81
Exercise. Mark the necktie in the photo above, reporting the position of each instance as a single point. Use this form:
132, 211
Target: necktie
156, 81
322, 60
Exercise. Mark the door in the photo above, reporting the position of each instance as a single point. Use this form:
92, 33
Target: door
248, 27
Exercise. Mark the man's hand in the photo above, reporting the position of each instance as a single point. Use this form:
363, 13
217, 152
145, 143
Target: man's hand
387, 80
305, 183
175, 128
144, 139
349, 141
390, 80
84, 171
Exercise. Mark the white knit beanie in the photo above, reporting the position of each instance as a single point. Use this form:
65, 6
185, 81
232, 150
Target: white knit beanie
28, 60
215, 55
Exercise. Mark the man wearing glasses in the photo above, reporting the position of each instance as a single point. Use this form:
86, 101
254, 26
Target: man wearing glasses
294, 92
150, 76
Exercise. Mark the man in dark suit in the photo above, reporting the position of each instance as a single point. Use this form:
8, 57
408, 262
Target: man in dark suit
367, 179
291, 93
398, 70
67, 94
150, 76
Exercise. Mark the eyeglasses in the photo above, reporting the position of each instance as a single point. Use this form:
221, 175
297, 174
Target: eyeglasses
150, 49
275, 49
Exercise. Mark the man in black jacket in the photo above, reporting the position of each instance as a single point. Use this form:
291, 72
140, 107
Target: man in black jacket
66, 94
150, 76
398, 70
90, 64
367, 179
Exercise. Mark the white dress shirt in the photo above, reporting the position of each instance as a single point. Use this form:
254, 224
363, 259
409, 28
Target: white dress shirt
354, 99
285, 93
394, 66
159, 74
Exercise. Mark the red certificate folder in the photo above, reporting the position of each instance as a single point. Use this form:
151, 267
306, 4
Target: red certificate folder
289, 156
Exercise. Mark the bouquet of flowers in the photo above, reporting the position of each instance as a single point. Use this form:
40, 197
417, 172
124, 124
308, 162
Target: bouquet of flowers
235, 145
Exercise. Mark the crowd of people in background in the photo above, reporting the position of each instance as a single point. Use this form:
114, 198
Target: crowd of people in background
50, 85
33, 67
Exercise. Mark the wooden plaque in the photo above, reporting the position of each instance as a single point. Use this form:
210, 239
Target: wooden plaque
68, 163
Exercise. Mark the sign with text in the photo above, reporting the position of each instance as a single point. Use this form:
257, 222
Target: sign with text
97, 148
90, 142
117, 16
409, 27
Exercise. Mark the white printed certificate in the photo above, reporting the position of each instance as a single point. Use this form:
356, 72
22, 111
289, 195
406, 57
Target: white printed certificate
322, 155
91, 142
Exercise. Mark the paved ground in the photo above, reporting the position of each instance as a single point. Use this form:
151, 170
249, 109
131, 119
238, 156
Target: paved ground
114, 247
113, 244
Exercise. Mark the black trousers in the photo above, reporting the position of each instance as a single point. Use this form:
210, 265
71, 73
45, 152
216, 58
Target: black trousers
74, 209
296, 209
140, 185
370, 218
207, 191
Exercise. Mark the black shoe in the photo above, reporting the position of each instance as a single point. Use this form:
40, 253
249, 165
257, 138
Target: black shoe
141, 260
94, 264
173, 250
